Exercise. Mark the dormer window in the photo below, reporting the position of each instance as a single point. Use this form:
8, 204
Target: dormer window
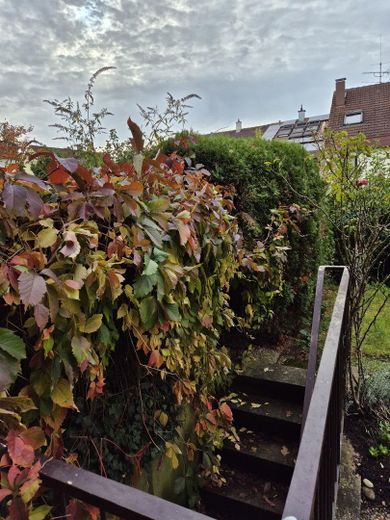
352, 118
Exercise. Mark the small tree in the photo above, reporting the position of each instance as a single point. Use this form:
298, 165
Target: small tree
358, 178
14, 143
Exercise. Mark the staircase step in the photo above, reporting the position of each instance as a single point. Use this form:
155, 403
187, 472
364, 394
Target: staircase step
260, 377
266, 414
246, 496
268, 456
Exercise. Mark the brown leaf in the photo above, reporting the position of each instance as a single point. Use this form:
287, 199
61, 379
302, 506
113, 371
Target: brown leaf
137, 141
32, 287
284, 451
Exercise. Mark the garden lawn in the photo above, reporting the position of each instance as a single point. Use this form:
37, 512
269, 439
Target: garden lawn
377, 342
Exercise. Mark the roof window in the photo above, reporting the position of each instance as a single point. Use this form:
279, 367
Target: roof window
352, 118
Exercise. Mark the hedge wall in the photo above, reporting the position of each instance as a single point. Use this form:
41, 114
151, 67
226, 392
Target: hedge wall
267, 174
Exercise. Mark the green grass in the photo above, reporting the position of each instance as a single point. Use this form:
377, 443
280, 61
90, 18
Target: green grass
377, 342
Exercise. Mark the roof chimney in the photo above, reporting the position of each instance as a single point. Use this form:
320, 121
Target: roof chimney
340, 92
238, 126
301, 114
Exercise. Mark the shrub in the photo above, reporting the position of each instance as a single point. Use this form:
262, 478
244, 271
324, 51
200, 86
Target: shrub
115, 281
127, 265
268, 175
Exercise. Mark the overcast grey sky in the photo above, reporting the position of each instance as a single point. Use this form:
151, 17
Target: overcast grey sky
253, 59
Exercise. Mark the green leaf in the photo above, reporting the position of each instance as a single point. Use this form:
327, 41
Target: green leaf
150, 268
80, 348
179, 485
39, 513
12, 350
159, 254
172, 310
148, 312
144, 286
12, 344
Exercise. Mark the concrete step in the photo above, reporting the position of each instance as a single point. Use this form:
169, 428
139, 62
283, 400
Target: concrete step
245, 496
259, 377
266, 414
268, 456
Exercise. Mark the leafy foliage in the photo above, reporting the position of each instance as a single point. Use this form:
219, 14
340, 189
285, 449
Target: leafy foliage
132, 257
268, 175
358, 180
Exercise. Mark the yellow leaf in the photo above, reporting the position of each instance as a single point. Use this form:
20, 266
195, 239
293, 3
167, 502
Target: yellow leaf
46, 237
62, 394
92, 324
163, 419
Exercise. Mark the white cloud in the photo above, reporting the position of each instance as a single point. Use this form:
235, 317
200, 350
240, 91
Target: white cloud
256, 60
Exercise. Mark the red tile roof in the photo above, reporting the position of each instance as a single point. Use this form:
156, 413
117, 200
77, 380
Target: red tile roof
374, 102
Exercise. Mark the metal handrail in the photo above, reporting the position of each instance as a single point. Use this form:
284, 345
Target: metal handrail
110, 496
313, 486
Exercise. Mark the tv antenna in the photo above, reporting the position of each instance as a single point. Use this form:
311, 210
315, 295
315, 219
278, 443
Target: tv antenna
379, 73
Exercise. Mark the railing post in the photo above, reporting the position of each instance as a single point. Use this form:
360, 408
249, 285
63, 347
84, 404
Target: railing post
312, 490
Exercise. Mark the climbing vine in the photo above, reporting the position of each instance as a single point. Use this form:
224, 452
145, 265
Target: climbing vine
128, 262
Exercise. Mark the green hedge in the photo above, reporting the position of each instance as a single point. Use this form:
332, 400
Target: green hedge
267, 174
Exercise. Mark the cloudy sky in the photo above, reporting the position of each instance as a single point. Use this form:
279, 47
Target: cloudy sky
253, 59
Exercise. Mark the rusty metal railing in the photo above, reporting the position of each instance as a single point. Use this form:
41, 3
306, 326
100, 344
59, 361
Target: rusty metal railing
313, 487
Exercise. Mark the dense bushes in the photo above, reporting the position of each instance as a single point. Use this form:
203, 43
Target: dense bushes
115, 281
268, 175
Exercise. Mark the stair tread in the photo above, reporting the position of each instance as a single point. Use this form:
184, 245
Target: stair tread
265, 447
259, 369
265, 406
250, 489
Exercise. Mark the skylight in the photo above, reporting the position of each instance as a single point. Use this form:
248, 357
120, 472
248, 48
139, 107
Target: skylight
353, 117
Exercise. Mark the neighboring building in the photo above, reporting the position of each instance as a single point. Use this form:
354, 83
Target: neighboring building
362, 109
306, 131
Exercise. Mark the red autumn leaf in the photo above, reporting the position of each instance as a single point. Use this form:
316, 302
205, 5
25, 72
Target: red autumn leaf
18, 510
21, 453
155, 359
11, 167
34, 202
13, 472
85, 174
14, 198
4, 493
137, 141
135, 188
77, 510
32, 288
59, 176
41, 315
34, 436
73, 284
226, 411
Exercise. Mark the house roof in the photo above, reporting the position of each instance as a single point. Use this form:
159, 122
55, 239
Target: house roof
305, 132
374, 102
